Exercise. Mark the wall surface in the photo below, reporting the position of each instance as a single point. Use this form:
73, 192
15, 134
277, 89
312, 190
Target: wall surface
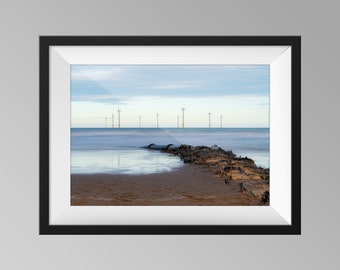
21, 23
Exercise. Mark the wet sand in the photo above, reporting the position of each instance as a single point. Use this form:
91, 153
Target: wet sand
189, 185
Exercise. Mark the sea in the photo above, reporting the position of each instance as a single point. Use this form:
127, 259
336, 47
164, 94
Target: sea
120, 150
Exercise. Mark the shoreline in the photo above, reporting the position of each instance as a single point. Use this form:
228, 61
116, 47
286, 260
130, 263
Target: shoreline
199, 182
189, 185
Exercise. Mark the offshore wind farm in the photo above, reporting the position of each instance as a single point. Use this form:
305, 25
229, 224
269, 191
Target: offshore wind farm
150, 118
169, 135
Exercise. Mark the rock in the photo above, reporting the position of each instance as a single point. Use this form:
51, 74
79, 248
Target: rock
255, 193
242, 187
187, 159
246, 160
265, 197
227, 181
227, 168
226, 165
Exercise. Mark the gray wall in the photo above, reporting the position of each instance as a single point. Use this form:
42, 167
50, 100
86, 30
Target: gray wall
21, 22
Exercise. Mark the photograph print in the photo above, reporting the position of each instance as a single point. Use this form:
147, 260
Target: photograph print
170, 135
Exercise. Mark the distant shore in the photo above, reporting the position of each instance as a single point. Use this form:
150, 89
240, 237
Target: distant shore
212, 176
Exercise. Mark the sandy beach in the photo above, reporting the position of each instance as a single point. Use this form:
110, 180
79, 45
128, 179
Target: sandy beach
189, 185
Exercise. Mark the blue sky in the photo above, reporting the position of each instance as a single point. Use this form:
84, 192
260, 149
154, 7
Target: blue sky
240, 94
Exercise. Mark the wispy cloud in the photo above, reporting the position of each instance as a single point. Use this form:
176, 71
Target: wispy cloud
173, 86
103, 84
96, 74
107, 99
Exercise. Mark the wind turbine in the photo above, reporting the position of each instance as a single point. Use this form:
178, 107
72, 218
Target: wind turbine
113, 121
119, 117
209, 119
183, 109
221, 120
157, 120
177, 121
140, 121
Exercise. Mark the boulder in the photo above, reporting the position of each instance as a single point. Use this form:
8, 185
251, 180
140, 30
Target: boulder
265, 197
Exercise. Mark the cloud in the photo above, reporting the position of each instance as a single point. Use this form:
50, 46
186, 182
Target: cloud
172, 86
106, 99
96, 73
103, 84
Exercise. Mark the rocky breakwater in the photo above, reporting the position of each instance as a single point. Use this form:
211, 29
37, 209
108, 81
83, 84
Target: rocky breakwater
234, 171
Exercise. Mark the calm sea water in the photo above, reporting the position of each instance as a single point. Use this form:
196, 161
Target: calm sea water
118, 151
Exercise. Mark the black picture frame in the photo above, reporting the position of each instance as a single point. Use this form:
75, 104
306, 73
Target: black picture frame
47, 41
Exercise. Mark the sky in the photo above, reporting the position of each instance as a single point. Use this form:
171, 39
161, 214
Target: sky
235, 96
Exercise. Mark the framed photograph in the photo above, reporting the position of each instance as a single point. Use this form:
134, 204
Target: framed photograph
170, 135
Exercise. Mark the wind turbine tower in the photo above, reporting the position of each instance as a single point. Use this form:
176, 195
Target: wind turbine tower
113, 121
177, 121
140, 121
209, 119
221, 120
157, 120
105, 122
183, 109
119, 117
